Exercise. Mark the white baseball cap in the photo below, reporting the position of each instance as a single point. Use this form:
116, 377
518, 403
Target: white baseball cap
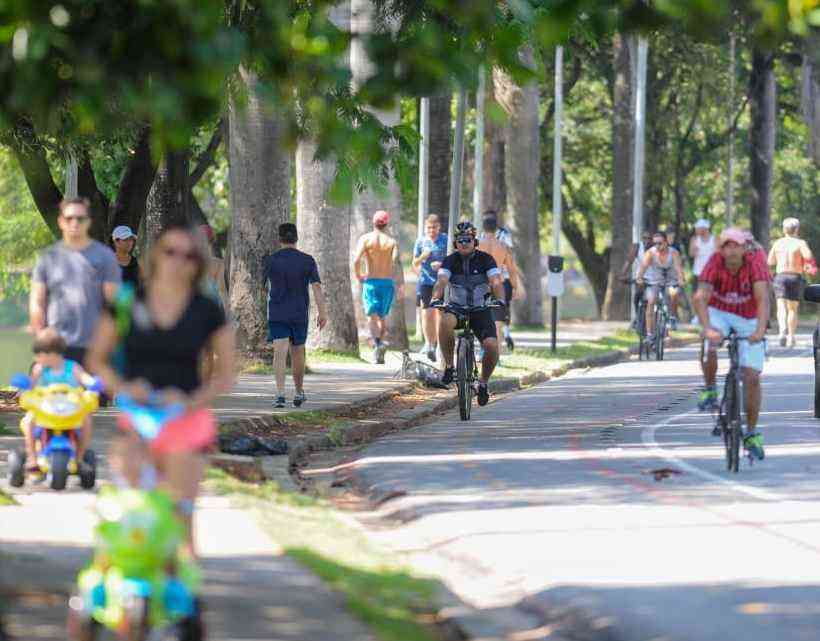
702, 223
122, 232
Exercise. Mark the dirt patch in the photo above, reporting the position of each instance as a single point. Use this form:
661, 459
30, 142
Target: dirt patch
8, 401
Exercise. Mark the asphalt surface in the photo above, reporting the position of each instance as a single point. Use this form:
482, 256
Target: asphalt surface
600, 503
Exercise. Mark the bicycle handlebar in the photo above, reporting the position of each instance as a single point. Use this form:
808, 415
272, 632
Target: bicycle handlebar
469, 310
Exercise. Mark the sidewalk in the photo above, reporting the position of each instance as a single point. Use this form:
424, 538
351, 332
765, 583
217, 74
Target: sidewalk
253, 591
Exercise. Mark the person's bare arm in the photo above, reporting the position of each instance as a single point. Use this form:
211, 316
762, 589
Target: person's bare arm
630, 258
37, 306
110, 291
497, 285
86, 380
693, 248
645, 261
319, 298
101, 348
357, 260
772, 256
676, 260
700, 301
223, 344
36, 373
441, 283
761, 294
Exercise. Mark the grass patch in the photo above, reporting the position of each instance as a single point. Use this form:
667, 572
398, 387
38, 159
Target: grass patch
5, 430
329, 356
378, 591
5, 499
524, 360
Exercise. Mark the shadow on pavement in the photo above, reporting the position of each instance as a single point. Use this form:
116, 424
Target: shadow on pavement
651, 613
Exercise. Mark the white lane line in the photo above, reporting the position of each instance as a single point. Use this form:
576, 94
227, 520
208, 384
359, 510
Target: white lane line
648, 437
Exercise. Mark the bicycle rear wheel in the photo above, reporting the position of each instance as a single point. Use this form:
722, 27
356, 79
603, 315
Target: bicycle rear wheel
463, 375
643, 348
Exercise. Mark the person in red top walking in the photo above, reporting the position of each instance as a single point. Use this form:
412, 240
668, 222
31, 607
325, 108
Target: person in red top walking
733, 293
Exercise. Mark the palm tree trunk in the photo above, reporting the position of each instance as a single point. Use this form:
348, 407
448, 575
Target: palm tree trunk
260, 199
616, 302
167, 202
441, 153
521, 173
368, 202
811, 91
324, 232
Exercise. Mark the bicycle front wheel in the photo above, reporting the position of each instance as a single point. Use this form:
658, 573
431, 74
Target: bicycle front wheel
463, 376
734, 430
660, 333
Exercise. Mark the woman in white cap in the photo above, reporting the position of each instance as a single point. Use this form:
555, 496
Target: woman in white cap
124, 241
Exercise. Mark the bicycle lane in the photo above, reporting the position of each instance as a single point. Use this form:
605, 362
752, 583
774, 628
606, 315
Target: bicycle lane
560, 507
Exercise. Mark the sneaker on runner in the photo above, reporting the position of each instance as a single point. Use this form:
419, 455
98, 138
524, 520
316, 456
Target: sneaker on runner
753, 443
431, 354
298, 399
279, 402
381, 350
510, 343
673, 323
483, 394
448, 375
792, 342
783, 341
708, 399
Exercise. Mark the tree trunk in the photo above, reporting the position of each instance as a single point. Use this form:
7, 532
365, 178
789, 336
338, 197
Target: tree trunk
260, 200
168, 202
521, 173
811, 92
617, 303
441, 154
495, 188
87, 188
763, 103
31, 156
324, 232
129, 205
368, 202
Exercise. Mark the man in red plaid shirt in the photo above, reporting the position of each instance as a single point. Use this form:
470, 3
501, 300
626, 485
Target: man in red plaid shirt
733, 293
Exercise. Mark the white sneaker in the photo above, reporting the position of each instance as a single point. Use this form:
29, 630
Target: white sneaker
792, 341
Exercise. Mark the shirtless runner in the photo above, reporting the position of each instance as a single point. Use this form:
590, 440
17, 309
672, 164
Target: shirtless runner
791, 258
379, 253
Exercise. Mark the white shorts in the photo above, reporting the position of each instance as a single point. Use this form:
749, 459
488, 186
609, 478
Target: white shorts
752, 355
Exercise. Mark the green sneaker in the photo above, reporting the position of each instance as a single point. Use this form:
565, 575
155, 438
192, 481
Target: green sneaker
754, 444
708, 399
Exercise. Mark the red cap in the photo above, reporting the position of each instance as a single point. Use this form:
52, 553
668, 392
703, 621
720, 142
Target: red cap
381, 218
208, 231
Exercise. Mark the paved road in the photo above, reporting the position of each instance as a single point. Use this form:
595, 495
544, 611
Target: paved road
547, 499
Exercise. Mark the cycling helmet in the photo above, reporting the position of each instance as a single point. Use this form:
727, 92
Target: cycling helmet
465, 228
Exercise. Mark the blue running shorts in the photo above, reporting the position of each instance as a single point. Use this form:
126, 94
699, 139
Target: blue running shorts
377, 296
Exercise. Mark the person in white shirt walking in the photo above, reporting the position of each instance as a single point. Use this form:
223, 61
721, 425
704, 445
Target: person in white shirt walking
701, 247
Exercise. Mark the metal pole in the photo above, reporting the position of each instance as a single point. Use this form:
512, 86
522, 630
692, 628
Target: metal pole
458, 163
730, 169
557, 178
640, 126
424, 162
478, 173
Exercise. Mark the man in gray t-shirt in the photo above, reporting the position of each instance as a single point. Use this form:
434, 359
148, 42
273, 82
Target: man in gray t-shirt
72, 279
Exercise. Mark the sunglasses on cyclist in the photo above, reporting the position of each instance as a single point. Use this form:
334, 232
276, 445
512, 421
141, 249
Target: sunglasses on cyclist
464, 240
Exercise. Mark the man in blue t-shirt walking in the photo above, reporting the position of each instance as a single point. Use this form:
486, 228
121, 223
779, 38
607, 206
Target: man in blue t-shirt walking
428, 254
288, 274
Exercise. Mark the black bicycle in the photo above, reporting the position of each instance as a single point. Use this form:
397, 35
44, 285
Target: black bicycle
466, 367
729, 421
647, 348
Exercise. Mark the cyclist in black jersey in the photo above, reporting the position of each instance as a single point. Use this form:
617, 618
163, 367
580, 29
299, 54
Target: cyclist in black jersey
472, 277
